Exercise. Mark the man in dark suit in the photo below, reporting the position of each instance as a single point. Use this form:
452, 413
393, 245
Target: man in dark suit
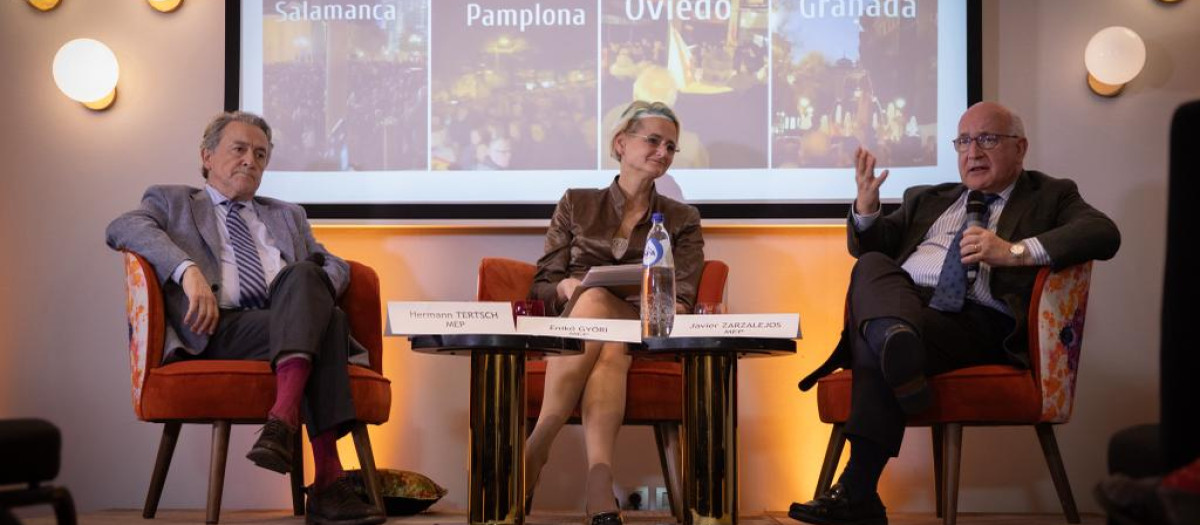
243, 278
913, 310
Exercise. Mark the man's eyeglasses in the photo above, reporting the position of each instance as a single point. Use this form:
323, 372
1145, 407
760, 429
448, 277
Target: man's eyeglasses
983, 140
655, 141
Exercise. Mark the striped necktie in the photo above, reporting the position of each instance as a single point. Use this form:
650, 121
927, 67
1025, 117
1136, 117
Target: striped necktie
251, 280
951, 290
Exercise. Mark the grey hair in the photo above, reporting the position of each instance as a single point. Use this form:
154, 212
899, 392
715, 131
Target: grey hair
636, 111
216, 128
1016, 125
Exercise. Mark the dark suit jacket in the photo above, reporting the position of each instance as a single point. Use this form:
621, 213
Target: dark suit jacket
1040, 206
177, 223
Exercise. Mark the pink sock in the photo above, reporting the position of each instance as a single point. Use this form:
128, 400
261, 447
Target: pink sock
325, 456
290, 377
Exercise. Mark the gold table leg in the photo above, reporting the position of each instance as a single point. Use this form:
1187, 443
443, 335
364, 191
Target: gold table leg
497, 442
710, 476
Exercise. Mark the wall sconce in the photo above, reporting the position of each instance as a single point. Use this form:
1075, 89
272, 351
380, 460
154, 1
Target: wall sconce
165, 6
86, 71
1113, 57
44, 5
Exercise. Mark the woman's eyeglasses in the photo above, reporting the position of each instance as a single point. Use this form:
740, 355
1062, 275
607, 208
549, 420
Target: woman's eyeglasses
655, 141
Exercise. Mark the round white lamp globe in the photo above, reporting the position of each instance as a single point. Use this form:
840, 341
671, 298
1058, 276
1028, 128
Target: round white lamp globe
86, 71
1113, 57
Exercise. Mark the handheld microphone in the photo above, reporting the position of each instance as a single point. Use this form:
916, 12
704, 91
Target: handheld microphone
977, 209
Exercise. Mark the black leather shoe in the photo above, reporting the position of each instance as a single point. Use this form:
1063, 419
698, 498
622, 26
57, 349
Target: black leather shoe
903, 364
339, 504
834, 507
611, 517
273, 450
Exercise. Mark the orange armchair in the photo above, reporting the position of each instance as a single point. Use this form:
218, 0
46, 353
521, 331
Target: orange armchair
655, 388
993, 395
222, 393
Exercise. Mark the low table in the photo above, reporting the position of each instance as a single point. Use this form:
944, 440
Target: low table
496, 477
710, 476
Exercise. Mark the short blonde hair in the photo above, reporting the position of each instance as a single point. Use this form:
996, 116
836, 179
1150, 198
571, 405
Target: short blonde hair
636, 111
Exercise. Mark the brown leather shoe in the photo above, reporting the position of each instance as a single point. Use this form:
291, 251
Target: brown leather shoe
273, 450
339, 504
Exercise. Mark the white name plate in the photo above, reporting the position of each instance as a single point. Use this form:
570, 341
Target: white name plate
447, 317
623, 330
783, 326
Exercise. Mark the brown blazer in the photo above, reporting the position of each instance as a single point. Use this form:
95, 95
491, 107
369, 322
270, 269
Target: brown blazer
581, 232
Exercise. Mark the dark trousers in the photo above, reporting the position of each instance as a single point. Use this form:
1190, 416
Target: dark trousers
302, 317
879, 288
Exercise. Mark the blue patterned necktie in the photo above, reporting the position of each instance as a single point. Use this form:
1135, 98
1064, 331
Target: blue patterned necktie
951, 290
251, 278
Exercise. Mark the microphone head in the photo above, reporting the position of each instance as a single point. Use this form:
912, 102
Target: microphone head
976, 203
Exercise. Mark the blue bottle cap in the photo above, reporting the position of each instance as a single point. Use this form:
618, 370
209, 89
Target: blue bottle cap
656, 216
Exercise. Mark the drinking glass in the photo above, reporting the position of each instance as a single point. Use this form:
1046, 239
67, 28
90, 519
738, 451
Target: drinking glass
529, 307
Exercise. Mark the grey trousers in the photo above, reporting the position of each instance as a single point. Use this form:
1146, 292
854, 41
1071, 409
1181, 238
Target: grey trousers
302, 317
880, 287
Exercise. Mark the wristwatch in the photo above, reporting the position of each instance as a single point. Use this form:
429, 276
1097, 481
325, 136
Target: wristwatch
1017, 250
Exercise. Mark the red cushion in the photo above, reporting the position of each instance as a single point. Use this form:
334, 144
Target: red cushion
653, 394
204, 390
980, 394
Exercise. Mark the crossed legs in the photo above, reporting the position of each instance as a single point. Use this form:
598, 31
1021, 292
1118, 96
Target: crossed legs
595, 380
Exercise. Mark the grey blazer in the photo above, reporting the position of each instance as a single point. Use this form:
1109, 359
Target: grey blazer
176, 223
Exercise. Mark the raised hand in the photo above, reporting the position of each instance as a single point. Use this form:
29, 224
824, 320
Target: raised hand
868, 184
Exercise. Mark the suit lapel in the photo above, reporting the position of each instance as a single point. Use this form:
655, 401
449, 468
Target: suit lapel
1017, 206
279, 227
927, 213
206, 222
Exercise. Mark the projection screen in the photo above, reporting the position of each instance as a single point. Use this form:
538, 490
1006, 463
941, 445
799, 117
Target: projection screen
411, 110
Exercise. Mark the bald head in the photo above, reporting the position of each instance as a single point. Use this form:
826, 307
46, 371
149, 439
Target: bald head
991, 170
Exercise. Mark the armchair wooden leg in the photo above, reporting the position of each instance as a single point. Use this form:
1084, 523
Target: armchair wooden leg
297, 475
938, 437
951, 459
833, 454
166, 450
1045, 433
666, 436
366, 459
64, 506
216, 470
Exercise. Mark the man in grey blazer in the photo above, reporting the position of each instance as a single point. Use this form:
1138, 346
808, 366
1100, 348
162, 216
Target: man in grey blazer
243, 278
908, 319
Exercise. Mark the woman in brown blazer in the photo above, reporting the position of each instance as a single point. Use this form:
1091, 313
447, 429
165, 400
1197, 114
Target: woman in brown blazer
597, 227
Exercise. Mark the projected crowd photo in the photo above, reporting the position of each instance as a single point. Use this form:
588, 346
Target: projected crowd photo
708, 64
499, 101
840, 79
344, 92
508, 95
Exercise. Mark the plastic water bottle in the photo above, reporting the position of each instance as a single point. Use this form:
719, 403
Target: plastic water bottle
658, 281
